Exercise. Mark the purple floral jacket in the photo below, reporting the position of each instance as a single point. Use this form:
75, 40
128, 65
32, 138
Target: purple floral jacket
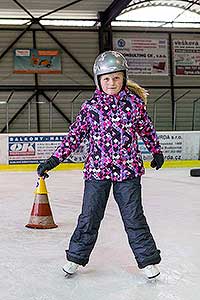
112, 124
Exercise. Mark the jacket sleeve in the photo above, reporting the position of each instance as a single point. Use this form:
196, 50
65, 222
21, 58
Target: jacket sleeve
77, 132
146, 130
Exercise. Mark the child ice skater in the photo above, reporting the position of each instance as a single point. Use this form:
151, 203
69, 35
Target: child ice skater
111, 119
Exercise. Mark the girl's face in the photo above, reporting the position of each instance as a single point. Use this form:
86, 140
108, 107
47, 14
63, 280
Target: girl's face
112, 83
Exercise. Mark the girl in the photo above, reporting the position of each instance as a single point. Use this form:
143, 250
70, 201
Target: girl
112, 119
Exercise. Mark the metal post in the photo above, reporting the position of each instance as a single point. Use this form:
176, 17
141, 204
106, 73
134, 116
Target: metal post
51, 111
171, 65
72, 107
36, 88
7, 114
193, 112
154, 106
175, 106
50, 116
105, 38
29, 117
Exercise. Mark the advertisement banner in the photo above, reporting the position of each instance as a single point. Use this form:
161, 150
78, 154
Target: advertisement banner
186, 57
28, 61
176, 146
33, 149
144, 56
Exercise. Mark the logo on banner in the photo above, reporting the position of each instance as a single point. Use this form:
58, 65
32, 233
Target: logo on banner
21, 149
121, 43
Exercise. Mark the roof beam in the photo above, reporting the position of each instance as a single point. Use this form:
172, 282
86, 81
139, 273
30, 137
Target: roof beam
186, 8
15, 41
66, 50
23, 8
147, 3
112, 11
59, 8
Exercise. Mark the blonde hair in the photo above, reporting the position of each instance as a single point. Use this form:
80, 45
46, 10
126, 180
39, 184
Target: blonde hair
137, 89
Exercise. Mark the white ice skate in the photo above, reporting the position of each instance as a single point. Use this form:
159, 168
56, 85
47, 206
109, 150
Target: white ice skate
151, 271
70, 267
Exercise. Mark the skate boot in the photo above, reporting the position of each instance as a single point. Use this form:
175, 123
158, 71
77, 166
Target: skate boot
151, 271
70, 267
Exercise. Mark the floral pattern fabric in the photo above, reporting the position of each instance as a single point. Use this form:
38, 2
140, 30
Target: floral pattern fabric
112, 125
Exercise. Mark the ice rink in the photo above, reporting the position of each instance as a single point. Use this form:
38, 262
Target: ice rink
32, 259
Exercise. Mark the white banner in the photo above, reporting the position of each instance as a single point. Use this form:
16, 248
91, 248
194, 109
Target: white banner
32, 149
186, 57
144, 56
176, 146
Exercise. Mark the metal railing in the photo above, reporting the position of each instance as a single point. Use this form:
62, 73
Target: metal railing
194, 113
155, 106
175, 107
7, 107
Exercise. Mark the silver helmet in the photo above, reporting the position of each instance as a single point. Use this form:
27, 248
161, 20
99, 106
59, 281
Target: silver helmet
109, 62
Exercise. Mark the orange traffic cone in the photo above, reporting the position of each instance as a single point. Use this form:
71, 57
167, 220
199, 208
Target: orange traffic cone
41, 215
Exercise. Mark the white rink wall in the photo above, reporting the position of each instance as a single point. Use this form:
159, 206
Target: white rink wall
33, 148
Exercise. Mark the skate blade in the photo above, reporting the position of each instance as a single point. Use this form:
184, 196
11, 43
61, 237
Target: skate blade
67, 275
153, 278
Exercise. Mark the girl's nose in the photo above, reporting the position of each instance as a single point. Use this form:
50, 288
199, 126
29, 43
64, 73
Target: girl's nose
112, 81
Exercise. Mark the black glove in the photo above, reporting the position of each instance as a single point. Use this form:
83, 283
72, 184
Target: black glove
49, 164
158, 160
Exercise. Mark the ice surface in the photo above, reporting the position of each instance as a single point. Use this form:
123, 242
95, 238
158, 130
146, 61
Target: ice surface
31, 259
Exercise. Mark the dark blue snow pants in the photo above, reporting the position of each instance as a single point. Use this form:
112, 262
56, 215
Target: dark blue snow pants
128, 197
